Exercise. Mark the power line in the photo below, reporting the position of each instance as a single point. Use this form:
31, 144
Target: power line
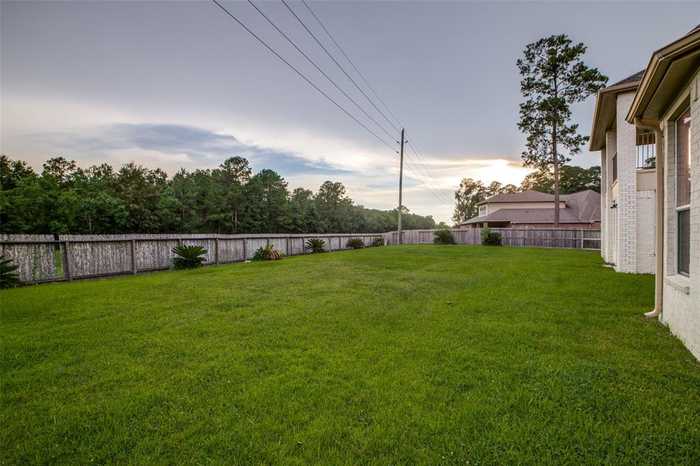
435, 194
330, 55
272, 23
366, 81
420, 159
281, 58
412, 167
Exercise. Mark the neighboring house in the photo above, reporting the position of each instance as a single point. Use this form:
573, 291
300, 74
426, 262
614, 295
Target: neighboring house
533, 209
628, 180
667, 102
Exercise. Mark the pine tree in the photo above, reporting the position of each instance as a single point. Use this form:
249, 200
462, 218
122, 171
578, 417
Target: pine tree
553, 77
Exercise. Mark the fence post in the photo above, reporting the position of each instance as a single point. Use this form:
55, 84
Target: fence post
216, 250
133, 255
66, 261
286, 246
245, 253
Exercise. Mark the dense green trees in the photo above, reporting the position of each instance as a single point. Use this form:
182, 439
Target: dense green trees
65, 198
572, 179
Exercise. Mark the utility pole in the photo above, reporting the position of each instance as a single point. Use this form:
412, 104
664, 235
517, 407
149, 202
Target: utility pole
401, 185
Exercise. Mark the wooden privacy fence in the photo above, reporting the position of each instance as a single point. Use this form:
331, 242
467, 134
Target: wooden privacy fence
45, 258
521, 237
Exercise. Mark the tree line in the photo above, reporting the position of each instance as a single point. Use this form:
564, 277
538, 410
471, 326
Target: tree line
64, 198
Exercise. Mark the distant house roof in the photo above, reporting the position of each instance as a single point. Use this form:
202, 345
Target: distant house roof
524, 196
605, 108
632, 79
581, 207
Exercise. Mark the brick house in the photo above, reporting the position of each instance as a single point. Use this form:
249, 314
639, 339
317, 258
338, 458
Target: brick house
667, 102
628, 180
533, 209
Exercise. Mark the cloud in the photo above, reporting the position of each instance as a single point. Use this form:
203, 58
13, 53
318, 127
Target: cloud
194, 146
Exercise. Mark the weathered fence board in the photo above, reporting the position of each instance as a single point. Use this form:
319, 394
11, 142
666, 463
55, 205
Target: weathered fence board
43, 258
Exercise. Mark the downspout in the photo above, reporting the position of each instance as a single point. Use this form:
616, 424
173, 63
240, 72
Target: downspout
659, 276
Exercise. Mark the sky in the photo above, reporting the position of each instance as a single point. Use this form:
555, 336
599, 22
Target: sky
180, 85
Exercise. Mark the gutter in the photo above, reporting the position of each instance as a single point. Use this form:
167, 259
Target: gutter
659, 277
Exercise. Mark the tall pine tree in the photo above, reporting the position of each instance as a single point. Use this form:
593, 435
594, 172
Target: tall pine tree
554, 76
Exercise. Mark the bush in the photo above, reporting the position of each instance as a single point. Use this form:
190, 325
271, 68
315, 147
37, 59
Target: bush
378, 241
490, 238
267, 253
188, 256
8, 273
315, 245
443, 236
355, 243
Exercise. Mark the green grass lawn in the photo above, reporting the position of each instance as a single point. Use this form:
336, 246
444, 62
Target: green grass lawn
394, 355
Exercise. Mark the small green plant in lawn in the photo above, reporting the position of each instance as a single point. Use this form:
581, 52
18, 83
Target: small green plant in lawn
8, 273
378, 241
355, 243
490, 237
316, 245
267, 253
188, 256
443, 236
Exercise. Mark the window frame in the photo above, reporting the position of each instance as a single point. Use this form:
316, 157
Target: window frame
685, 207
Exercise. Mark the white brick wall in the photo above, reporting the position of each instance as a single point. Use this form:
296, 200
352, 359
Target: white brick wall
682, 295
627, 187
646, 231
627, 232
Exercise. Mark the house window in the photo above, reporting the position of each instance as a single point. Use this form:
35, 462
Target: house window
614, 168
683, 191
646, 149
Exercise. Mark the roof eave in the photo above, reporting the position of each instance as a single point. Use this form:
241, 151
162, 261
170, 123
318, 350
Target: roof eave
600, 125
654, 75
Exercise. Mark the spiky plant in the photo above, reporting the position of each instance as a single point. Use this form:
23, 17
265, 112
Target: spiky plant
378, 241
267, 253
8, 273
316, 245
188, 256
355, 243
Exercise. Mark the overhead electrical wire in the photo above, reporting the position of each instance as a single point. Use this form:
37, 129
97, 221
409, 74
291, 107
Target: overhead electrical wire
413, 168
419, 162
357, 70
330, 55
302, 75
318, 68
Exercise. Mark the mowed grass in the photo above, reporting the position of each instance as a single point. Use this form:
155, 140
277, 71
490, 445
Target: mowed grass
394, 355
